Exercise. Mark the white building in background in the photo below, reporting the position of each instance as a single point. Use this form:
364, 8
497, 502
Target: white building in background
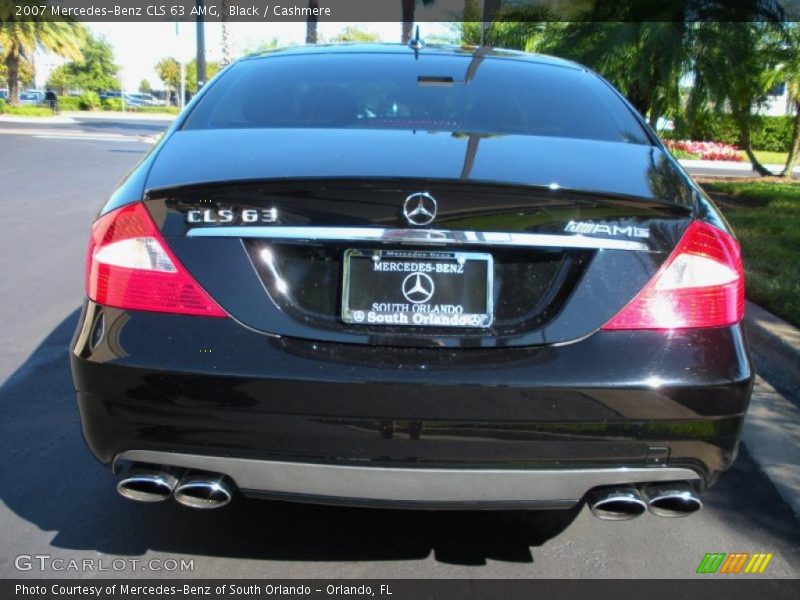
778, 104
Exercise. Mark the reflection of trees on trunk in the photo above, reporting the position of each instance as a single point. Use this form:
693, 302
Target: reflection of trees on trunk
666, 182
469, 155
474, 138
471, 151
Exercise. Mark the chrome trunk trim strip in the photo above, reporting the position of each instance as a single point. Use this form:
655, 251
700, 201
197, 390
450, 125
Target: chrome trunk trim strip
432, 237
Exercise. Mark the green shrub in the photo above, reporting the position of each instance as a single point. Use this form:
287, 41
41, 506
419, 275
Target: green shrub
89, 101
3, 106
69, 103
112, 104
773, 134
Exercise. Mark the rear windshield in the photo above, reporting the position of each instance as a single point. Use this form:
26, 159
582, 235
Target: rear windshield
434, 92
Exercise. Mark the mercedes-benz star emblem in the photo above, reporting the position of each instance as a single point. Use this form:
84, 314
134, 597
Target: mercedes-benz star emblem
420, 209
418, 288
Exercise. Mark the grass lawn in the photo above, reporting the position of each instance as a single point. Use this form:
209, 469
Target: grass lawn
768, 158
25, 111
43, 111
766, 219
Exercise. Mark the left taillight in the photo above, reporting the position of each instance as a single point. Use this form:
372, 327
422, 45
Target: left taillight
129, 265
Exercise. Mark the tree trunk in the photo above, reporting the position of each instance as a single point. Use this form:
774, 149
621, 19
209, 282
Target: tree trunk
641, 99
744, 132
408, 19
227, 54
311, 24
794, 149
12, 66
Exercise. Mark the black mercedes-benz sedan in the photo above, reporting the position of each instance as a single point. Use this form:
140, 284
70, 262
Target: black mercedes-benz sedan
419, 277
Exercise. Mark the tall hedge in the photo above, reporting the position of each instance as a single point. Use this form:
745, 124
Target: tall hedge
769, 133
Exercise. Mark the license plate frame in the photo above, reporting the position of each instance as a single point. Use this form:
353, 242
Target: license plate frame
421, 314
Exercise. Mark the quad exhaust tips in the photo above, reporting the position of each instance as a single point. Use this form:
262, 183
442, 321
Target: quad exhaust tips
620, 503
147, 485
625, 502
672, 499
204, 491
195, 490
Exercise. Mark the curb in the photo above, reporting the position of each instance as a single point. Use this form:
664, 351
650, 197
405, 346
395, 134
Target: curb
88, 115
772, 425
728, 165
775, 346
770, 433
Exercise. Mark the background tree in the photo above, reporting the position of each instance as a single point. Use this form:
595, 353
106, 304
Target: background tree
354, 34
145, 87
61, 80
263, 46
645, 60
169, 72
27, 73
212, 68
735, 67
20, 39
96, 70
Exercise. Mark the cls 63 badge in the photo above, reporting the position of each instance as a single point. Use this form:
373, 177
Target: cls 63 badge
231, 215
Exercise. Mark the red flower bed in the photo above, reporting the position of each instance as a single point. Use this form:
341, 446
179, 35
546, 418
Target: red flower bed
706, 150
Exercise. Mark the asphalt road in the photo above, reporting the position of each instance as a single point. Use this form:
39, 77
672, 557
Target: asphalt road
56, 500
711, 171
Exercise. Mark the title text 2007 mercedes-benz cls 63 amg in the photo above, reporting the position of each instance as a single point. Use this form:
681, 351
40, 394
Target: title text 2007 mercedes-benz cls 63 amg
389, 276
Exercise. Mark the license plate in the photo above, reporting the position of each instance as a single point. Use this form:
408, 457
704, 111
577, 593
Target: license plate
417, 288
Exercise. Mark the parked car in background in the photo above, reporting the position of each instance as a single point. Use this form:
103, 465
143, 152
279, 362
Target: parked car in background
31, 97
3, 94
137, 99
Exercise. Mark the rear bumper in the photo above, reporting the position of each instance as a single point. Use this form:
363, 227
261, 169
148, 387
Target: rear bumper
411, 487
355, 424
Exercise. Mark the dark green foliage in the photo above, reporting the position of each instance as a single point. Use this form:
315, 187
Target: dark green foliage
768, 133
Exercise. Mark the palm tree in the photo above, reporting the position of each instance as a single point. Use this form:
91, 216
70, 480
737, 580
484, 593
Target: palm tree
735, 66
311, 23
645, 60
20, 39
792, 70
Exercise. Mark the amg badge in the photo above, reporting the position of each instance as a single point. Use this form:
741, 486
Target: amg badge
601, 228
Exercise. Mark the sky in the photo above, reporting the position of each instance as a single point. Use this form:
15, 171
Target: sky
139, 46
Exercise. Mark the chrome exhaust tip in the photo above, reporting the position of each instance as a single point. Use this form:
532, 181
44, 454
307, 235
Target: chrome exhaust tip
672, 499
204, 491
620, 503
147, 485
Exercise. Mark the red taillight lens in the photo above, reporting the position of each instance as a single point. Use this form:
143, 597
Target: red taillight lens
130, 266
700, 285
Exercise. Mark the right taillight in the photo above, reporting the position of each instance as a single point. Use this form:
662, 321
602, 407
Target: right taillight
700, 285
